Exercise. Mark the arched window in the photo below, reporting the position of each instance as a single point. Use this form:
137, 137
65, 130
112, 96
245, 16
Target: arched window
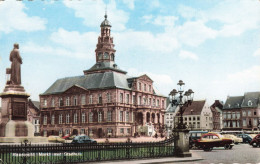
75, 101
67, 118
53, 119
112, 57
83, 118
106, 56
100, 56
60, 119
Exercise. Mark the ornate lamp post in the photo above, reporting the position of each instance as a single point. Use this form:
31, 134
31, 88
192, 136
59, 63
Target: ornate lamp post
184, 100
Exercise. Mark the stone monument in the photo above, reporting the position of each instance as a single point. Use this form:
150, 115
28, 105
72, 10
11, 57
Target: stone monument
14, 126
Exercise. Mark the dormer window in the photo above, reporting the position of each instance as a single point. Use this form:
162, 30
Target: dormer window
249, 103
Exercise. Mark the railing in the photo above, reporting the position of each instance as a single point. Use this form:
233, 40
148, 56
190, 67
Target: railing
76, 153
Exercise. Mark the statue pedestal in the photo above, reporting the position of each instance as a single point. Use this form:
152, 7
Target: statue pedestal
181, 144
14, 113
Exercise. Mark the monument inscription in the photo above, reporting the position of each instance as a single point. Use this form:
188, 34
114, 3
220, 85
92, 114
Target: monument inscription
19, 110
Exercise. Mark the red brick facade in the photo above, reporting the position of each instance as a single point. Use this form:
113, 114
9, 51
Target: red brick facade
112, 106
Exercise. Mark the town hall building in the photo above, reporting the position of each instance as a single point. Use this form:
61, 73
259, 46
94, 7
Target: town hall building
104, 102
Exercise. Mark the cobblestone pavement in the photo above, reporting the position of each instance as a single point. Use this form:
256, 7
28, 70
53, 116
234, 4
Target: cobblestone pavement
240, 154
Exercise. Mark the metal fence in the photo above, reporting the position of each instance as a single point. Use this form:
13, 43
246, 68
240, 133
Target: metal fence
76, 153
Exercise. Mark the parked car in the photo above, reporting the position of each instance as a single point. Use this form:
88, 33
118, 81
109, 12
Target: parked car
253, 135
56, 139
66, 137
235, 139
83, 139
210, 140
255, 141
246, 138
194, 136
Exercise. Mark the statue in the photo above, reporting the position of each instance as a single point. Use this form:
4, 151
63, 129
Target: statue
16, 60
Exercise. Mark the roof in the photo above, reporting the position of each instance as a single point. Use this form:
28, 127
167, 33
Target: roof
90, 81
36, 104
104, 66
251, 99
195, 108
34, 107
233, 102
105, 22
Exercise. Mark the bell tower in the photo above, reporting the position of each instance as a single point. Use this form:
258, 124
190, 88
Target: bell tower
105, 51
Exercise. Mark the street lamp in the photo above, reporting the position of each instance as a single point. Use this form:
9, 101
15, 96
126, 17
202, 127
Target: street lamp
184, 100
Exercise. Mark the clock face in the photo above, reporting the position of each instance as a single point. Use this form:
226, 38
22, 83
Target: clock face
106, 56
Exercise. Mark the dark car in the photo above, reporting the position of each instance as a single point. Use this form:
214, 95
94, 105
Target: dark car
194, 136
246, 138
210, 140
255, 141
83, 139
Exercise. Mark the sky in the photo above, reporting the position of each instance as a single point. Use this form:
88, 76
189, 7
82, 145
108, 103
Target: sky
212, 45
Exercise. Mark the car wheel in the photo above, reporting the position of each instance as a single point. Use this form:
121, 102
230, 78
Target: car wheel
254, 144
230, 146
227, 146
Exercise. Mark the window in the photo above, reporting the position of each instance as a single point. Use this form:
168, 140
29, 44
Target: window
150, 88
52, 102
90, 117
60, 132
134, 99
229, 115
100, 56
53, 119
234, 124
75, 101
112, 57
238, 115
121, 116
144, 101
122, 130
249, 103
108, 97
233, 115
255, 113
153, 102
225, 124
90, 99
82, 131
144, 87
67, 118
100, 98
106, 56
194, 118
198, 118
140, 100
109, 116
185, 118
127, 98
158, 103
150, 101
128, 130
60, 119
61, 102
255, 121
121, 98
126, 116
45, 133
83, 100
99, 116
75, 118
163, 103
67, 101
83, 118
45, 120
109, 131
238, 124
249, 113
189, 118
44, 102
244, 122
67, 131
244, 113
140, 87
224, 115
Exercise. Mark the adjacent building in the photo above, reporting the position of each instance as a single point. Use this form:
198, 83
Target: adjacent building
33, 115
216, 109
242, 112
197, 116
104, 102
170, 114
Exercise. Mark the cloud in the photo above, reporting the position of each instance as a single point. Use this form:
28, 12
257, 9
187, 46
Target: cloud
146, 42
13, 18
66, 43
165, 20
91, 11
257, 52
130, 3
188, 55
